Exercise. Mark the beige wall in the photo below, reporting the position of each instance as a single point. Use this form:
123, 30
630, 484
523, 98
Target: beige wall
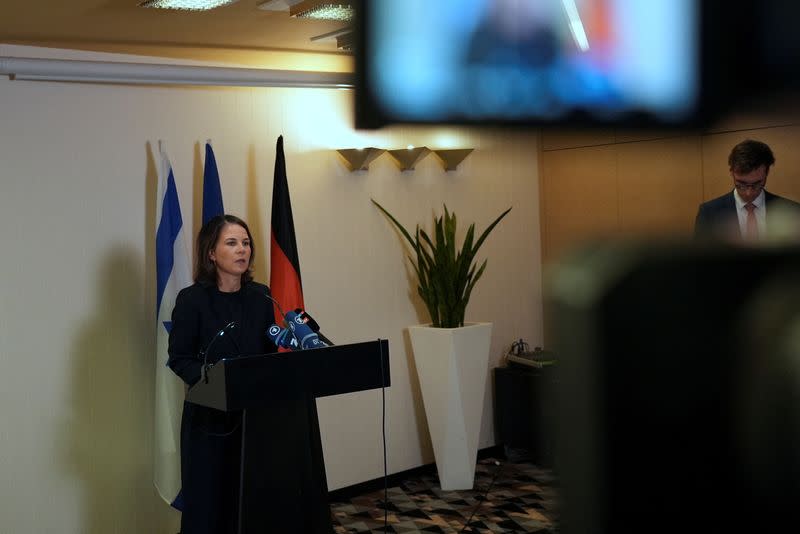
621, 183
77, 205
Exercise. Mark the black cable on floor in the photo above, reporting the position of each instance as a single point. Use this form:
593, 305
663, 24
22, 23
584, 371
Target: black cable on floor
383, 430
499, 468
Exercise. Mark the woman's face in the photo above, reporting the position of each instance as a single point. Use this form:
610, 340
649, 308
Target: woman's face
231, 254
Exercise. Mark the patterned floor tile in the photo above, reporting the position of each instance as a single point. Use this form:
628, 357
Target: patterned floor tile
521, 498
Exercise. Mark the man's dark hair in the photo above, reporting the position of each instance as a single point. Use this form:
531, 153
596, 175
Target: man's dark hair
749, 155
205, 272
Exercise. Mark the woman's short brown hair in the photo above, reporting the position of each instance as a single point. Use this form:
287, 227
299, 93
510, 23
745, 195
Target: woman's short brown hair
205, 271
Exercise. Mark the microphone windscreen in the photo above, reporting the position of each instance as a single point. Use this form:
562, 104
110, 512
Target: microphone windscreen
305, 335
282, 337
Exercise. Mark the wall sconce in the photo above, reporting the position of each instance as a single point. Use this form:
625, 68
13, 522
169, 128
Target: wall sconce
452, 158
358, 159
407, 158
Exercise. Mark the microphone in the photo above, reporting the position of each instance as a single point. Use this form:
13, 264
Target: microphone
298, 323
266, 296
313, 325
297, 335
204, 353
282, 337
289, 337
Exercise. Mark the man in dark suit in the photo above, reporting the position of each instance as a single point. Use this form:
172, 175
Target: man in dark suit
749, 212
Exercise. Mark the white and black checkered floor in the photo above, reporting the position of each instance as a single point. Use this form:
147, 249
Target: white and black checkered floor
521, 498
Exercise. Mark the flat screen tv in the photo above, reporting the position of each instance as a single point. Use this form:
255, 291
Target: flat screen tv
525, 61
663, 63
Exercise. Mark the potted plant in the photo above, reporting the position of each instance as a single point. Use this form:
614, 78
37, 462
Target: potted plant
451, 357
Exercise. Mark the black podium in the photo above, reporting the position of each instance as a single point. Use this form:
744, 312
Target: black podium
282, 485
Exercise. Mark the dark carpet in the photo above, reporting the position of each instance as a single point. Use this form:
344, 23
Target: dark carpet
512, 497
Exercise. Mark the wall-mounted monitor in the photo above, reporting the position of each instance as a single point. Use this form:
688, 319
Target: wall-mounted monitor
529, 61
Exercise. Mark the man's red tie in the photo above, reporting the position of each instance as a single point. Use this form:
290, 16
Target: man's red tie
751, 231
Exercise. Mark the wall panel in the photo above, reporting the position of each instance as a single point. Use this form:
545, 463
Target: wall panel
580, 195
657, 179
659, 185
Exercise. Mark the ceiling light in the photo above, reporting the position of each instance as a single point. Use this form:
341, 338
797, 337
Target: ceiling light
322, 10
343, 37
276, 5
186, 5
576, 25
332, 35
345, 41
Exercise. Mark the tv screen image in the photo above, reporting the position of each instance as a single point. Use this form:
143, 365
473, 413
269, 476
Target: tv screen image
529, 62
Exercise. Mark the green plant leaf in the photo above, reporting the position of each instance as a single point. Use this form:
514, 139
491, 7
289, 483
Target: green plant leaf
446, 274
396, 222
489, 229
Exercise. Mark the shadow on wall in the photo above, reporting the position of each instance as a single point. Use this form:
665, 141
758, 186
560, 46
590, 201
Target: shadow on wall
107, 439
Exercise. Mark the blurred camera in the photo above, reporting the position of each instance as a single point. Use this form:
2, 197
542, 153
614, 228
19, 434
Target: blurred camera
679, 387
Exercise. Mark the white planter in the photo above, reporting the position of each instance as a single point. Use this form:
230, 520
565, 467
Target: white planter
452, 365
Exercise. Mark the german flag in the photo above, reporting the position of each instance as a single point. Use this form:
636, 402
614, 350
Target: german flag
284, 270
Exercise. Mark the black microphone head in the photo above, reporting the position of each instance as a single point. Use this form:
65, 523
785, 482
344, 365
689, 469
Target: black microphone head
312, 324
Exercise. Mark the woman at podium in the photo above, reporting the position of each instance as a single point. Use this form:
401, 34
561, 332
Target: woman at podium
223, 314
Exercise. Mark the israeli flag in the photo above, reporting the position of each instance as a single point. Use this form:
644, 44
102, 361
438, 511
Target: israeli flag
173, 273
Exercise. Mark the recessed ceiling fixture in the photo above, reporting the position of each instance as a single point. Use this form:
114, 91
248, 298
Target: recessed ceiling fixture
322, 10
343, 36
276, 5
345, 41
186, 5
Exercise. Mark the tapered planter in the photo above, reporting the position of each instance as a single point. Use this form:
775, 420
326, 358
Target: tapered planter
452, 365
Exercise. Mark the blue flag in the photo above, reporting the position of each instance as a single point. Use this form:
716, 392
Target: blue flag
212, 193
173, 273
